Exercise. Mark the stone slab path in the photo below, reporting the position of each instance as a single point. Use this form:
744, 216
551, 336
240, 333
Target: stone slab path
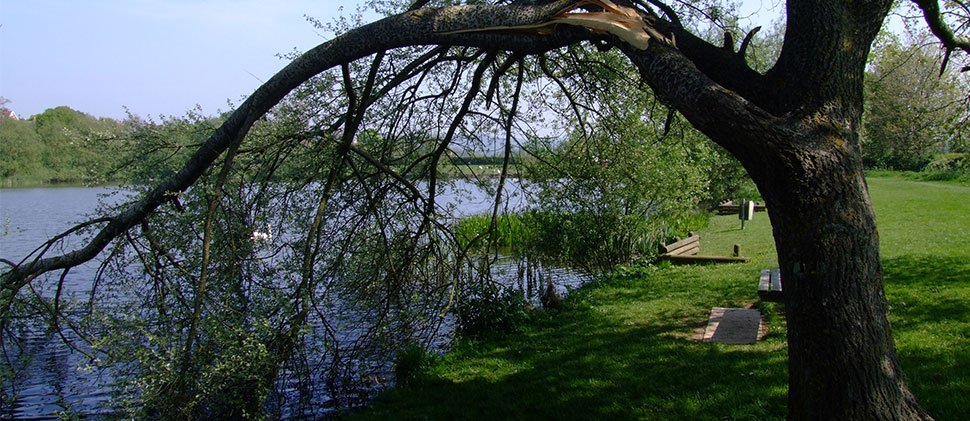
734, 326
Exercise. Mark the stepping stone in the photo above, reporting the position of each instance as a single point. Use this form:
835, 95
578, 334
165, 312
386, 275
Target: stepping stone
734, 326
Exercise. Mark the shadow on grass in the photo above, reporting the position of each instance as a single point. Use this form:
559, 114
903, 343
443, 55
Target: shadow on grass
619, 351
584, 368
929, 299
926, 290
928, 270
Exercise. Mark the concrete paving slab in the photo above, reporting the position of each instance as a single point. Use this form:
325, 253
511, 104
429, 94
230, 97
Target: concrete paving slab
734, 326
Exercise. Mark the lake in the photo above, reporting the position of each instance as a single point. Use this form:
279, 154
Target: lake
55, 378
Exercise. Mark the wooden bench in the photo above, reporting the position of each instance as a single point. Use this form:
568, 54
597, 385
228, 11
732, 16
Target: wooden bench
769, 286
730, 208
685, 251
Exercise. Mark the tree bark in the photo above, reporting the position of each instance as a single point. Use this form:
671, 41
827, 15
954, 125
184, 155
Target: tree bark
796, 131
842, 358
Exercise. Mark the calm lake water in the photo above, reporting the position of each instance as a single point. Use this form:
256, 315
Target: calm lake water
55, 379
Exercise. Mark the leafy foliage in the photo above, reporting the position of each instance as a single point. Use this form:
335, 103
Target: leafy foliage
492, 313
60, 145
912, 112
157, 150
950, 166
606, 193
410, 363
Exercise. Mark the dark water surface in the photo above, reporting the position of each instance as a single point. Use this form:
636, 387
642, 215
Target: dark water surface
56, 378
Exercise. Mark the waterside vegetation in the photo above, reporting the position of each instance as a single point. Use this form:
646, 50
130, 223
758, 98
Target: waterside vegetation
625, 346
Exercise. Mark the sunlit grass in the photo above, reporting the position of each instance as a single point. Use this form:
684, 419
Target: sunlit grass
625, 347
924, 232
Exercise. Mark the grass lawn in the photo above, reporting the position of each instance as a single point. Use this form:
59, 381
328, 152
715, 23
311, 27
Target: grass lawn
625, 347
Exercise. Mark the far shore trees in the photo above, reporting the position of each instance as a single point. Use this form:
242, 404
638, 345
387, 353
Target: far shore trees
59, 145
795, 128
913, 110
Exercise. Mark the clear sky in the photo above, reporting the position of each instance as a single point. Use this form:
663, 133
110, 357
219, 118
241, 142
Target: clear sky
157, 57
152, 56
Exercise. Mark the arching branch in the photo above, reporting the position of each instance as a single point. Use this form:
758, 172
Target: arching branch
951, 41
418, 27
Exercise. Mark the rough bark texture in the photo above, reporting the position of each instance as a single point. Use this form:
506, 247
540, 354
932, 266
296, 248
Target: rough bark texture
796, 131
842, 360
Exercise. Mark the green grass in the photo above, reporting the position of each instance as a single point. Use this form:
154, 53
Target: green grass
924, 230
511, 230
625, 347
945, 176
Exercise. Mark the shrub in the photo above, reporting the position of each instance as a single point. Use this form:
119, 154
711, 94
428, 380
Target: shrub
950, 166
483, 314
410, 363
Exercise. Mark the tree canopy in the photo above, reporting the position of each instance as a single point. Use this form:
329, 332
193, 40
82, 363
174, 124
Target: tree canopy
60, 144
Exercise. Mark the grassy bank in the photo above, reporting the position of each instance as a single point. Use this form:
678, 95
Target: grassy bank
626, 348
945, 176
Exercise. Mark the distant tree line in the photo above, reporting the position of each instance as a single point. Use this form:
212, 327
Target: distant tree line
915, 120
60, 145
480, 160
63, 145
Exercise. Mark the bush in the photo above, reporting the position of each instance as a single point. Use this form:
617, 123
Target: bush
410, 363
951, 166
481, 315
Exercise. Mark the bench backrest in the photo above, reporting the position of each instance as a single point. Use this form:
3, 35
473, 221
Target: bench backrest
688, 246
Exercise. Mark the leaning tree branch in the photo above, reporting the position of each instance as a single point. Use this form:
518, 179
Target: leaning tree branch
677, 79
417, 27
943, 32
519, 29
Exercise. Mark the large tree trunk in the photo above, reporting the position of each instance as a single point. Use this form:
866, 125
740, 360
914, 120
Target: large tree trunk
796, 130
842, 359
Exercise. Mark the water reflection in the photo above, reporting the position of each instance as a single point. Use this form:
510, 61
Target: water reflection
51, 377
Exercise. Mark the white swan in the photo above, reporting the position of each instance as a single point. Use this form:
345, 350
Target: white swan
261, 237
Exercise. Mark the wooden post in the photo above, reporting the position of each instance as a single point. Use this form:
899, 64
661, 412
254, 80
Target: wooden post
737, 250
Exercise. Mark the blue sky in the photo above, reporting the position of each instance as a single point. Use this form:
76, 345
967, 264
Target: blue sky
155, 57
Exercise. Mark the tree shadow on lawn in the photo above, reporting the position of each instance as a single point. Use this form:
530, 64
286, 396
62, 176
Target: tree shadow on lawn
582, 365
583, 371
927, 290
929, 300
